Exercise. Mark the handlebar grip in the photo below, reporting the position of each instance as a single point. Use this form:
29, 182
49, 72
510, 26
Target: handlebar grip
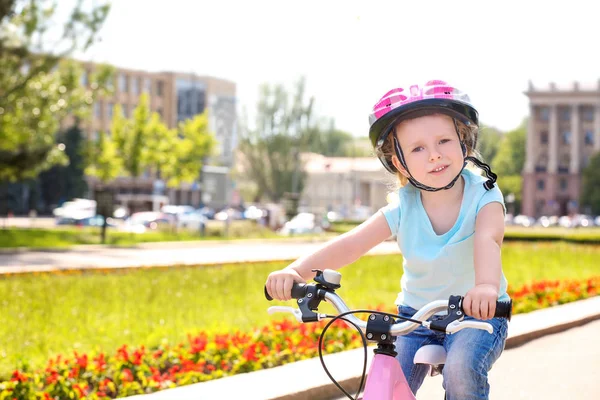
298, 291
504, 309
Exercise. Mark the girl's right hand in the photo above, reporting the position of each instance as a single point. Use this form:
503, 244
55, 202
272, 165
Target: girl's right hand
279, 283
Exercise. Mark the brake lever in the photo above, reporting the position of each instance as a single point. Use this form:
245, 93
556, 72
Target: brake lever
294, 311
456, 326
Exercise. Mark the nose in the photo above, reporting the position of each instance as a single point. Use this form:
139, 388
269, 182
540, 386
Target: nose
435, 155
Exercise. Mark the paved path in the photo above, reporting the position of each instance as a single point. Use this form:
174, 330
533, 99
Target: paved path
161, 254
559, 366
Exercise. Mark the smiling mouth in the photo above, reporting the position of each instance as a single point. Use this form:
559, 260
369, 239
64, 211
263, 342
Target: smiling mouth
438, 169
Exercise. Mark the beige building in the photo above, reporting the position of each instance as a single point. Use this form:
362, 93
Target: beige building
175, 97
563, 133
353, 187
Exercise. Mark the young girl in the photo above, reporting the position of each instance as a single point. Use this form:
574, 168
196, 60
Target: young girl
449, 224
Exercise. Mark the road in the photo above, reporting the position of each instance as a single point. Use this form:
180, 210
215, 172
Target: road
560, 366
161, 254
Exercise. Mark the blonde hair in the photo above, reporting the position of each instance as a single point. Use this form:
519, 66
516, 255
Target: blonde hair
468, 135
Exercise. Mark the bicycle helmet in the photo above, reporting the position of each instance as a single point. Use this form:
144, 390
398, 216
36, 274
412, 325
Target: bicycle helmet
435, 97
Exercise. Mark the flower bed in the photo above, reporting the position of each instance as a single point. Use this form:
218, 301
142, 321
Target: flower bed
137, 370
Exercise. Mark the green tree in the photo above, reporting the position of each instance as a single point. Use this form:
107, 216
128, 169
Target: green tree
488, 143
590, 192
35, 96
103, 161
271, 150
332, 142
60, 182
194, 144
510, 158
509, 162
145, 143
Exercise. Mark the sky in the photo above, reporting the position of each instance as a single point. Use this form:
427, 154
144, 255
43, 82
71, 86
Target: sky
352, 52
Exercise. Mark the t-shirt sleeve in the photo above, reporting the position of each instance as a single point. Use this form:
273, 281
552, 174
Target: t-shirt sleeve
391, 212
490, 196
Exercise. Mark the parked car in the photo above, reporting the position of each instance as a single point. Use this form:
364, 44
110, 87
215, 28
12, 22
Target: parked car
194, 220
301, 223
582, 220
524, 220
546, 221
148, 220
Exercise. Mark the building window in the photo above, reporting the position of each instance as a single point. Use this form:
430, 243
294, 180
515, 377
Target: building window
564, 162
544, 137
544, 114
159, 88
148, 85
563, 184
589, 138
565, 114
566, 137
588, 114
123, 83
540, 184
136, 85
97, 109
110, 110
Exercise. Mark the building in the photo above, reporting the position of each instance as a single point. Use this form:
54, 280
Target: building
563, 133
175, 96
352, 187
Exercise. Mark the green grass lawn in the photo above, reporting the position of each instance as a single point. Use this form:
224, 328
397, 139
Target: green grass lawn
62, 237
46, 314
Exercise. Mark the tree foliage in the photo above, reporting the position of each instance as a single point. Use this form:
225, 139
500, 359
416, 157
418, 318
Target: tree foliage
144, 143
510, 158
590, 193
39, 86
271, 150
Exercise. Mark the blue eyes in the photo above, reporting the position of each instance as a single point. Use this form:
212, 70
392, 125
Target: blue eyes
418, 149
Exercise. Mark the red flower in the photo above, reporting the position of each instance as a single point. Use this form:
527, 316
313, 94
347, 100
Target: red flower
81, 361
100, 362
18, 377
126, 375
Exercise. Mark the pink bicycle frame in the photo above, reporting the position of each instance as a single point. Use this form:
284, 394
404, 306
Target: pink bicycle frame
386, 381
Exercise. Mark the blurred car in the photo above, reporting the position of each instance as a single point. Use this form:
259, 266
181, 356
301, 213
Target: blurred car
524, 220
253, 212
194, 220
301, 223
229, 213
333, 216
77, 209
546, 221
565, 221
148, 220
582, 220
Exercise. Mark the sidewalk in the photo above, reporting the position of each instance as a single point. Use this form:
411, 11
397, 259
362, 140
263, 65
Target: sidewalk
307, 380
168, 254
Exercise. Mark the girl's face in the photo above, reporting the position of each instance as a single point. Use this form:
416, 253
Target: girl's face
431, 149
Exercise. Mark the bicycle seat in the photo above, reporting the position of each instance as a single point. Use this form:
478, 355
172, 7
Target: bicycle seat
433, 355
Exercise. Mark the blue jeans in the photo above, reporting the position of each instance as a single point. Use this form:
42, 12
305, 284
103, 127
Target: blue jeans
470, 355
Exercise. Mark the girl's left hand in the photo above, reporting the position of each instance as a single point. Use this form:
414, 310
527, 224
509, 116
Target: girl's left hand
480, 302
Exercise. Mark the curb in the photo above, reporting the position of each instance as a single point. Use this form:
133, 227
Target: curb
279, 384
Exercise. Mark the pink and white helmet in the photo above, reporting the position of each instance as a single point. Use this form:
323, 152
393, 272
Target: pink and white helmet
434, 97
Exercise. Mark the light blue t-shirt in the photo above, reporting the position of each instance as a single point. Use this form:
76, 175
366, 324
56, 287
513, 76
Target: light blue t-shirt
437, 266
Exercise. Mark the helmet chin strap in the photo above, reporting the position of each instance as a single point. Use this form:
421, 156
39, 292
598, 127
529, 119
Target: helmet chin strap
486, 168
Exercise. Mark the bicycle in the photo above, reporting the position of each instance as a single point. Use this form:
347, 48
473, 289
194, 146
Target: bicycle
385, 380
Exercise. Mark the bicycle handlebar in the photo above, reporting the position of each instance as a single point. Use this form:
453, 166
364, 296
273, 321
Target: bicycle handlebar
300, 291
